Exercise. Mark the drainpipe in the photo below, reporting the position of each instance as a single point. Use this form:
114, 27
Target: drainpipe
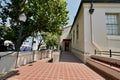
91, 11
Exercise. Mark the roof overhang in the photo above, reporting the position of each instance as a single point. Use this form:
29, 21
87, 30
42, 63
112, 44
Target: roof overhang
66, 39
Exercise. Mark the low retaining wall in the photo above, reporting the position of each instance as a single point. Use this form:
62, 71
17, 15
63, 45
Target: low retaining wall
113, 72
28, 57
24, 58
79, 54
110, 61
56, 56
8, 62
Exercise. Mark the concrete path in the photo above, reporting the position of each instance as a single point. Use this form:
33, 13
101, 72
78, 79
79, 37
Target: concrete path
69, 68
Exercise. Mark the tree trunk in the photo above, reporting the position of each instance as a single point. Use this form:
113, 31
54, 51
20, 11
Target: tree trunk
39, 45
15, 45
32, 43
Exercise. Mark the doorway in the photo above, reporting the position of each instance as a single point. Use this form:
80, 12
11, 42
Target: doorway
66, 46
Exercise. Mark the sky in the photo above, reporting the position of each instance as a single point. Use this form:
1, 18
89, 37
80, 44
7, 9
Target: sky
72, 7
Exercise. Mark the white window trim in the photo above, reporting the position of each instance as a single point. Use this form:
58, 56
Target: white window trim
113, 37
117, 14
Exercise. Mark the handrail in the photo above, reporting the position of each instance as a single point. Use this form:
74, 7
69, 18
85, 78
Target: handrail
5, 55
102, 51
110, 52
115, 54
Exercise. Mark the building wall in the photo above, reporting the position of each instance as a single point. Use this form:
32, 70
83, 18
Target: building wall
77, 45
65, 35
98, 38
92, 30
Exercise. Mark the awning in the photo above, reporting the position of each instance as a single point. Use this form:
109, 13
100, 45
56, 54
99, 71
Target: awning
66, 39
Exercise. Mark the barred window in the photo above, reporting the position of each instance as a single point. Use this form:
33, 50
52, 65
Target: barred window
112, 25
73, 36
77, 32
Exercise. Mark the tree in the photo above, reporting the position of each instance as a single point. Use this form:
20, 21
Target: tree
50, 39
7, 33
42, 15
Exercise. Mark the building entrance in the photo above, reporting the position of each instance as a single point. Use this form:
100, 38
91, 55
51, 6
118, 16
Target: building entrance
66, 46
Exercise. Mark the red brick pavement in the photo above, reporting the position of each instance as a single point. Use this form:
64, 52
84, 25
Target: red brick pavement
69, 68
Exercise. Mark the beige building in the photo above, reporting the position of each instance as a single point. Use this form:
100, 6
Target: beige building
65, 41
96, 26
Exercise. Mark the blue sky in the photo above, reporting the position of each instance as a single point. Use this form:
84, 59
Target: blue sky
72, 7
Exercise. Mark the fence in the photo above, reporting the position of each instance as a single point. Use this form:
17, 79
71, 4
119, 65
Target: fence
112, 58
8, 61
110, 53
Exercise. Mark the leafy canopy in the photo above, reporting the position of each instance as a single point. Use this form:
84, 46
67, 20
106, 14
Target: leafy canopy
42, 15
50, 39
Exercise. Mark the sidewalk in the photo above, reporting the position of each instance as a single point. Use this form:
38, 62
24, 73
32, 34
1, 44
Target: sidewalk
69, 68
69, 58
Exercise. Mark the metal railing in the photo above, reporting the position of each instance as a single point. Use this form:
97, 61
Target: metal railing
113, 58
110, 53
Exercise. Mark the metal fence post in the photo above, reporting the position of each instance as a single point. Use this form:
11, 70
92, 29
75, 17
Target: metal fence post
110, 57
33, 55
95, 51
110, 53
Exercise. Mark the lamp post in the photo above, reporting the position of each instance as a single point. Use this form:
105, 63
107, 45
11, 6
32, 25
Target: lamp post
22, 19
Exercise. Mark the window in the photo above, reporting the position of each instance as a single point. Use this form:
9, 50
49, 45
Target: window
73, 36
77, 32
113, 28
26, 41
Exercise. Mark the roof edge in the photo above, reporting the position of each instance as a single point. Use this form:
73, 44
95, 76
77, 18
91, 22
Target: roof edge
94, 1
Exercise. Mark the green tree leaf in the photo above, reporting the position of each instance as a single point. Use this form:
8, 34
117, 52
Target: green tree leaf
42, 15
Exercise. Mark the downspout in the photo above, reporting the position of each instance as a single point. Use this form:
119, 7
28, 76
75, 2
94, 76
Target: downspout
91, 10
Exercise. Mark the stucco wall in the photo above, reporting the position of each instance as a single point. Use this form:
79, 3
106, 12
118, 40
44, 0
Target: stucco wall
92, 30
7, 63
98, 39
77, 45
65, 35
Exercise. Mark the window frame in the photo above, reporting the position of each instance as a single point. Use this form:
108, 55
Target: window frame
73, 36
112, 20
77, 32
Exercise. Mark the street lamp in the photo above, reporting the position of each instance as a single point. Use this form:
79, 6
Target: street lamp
22, 19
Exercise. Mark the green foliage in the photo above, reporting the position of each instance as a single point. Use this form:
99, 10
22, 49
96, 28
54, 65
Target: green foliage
50, 39
6, 32
42, 15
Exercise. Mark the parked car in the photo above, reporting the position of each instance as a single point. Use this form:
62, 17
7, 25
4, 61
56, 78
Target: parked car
25, 48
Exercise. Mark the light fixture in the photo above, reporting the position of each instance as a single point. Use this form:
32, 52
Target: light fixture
22, 17
91, 10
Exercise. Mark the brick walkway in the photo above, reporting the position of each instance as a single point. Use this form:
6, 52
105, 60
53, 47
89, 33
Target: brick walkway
69, 68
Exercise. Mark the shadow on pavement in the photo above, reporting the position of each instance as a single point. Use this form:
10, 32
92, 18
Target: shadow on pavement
69, 57
9, 74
